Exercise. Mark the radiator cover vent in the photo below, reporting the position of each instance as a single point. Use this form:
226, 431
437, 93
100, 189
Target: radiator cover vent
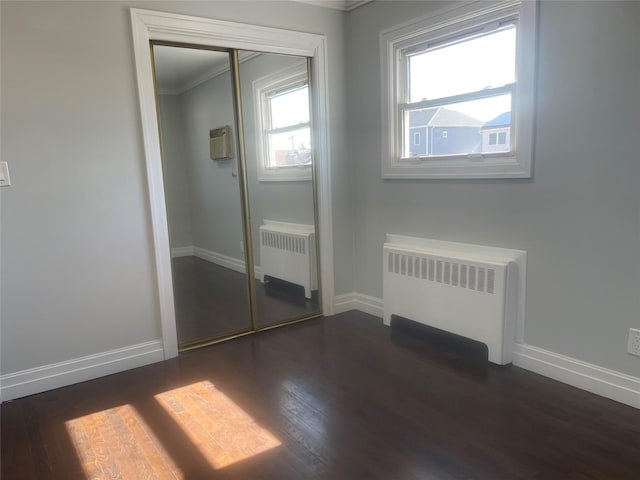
284, 241
442, 270
463, 290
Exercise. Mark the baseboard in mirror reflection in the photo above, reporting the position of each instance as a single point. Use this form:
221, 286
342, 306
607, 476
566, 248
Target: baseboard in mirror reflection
235, 264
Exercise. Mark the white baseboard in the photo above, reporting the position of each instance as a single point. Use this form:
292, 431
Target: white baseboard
55, 375
592, 378
358, 301
182, 251
235, 264
344, 303
220, 259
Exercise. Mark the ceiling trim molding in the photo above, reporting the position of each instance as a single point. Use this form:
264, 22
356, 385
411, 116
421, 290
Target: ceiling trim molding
208, 75
343, 5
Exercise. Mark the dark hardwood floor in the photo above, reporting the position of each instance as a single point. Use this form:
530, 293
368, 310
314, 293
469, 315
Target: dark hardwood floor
212, 301
334, 398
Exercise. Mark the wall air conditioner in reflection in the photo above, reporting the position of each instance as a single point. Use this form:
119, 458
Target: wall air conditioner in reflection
220, 143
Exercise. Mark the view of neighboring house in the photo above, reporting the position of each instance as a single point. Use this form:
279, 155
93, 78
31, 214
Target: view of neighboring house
496, 134
440, 131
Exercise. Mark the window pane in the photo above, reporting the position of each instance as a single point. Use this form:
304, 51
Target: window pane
290, 148
496, 138
460, 128
289, 108
467, 66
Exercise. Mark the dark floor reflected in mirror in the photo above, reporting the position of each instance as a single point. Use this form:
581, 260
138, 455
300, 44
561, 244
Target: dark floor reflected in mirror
210, 300
279, 300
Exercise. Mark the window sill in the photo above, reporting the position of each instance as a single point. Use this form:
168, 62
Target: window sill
286, 174
457, 168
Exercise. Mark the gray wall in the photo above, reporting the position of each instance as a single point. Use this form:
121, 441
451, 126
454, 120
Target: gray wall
77, 266
203, 198
214, 191
175, 171
76, 251
577, 217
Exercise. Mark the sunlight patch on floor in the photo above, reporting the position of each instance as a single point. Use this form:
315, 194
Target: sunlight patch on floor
117, 444
223, 432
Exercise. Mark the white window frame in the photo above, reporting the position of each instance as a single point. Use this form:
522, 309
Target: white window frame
263, 88
452, 22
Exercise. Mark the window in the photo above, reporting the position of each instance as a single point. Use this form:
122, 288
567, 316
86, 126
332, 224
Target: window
283, 125
416, 138
467, 73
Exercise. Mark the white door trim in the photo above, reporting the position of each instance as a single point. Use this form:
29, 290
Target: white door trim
150, 25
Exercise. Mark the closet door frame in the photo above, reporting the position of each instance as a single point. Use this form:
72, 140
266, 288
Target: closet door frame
150, 25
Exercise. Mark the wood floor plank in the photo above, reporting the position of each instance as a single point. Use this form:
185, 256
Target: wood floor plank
334, 398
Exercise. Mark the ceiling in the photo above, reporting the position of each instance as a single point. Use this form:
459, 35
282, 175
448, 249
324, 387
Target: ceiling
178, 69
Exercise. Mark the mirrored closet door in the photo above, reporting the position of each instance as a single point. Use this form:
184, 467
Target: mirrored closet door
277, 127
235, 130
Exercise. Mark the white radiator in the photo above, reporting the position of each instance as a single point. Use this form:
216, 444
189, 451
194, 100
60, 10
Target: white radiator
288, 252
461, 290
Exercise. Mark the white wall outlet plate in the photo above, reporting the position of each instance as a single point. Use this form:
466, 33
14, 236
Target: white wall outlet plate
634, 342
5, 180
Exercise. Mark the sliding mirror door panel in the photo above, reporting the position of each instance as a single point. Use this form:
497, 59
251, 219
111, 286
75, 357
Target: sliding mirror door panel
224, 207
203, 197
279, 162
